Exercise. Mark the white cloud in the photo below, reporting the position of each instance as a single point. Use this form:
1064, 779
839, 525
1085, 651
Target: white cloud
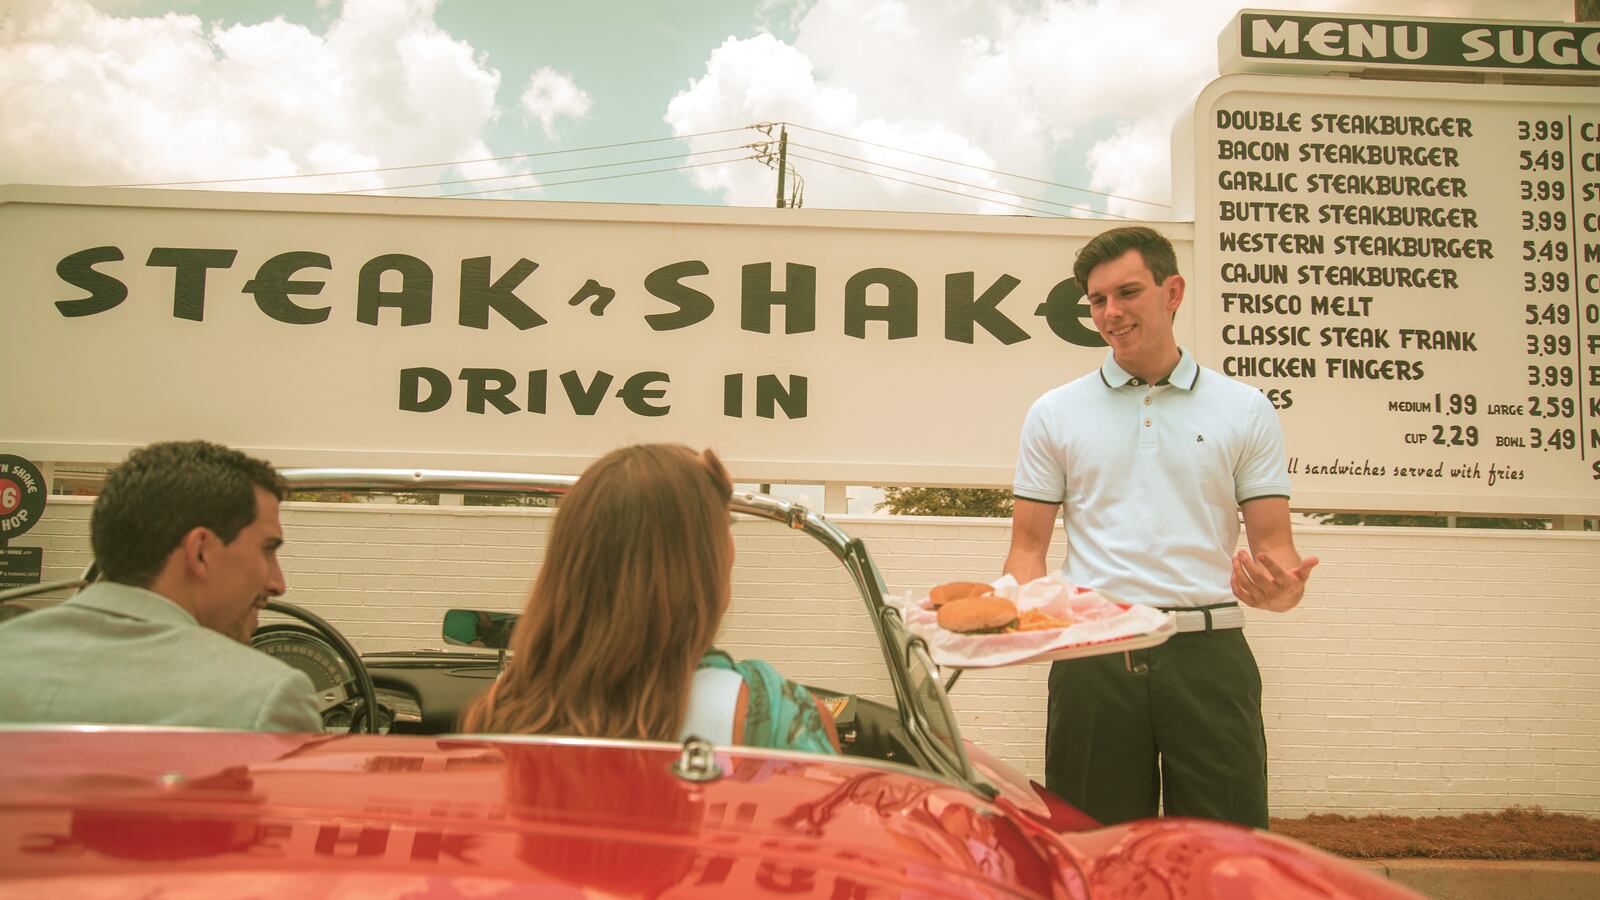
551, 95
1007, 84
97, 98
764, 79
1133, 164
748, 81
1133, 67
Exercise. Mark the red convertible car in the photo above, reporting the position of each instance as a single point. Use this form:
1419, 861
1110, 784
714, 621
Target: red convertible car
391, 804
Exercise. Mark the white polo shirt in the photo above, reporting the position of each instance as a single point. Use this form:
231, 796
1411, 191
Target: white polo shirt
1150, 477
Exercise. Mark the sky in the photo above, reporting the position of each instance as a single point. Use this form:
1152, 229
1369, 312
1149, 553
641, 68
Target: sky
1065, 106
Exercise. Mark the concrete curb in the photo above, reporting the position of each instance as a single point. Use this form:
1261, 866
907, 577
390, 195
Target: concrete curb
1475, 879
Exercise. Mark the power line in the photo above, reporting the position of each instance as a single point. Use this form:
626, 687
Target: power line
763, 126
779, 163
1070, 187
597, 178
967, 184
626, 162
457, 162
828, 162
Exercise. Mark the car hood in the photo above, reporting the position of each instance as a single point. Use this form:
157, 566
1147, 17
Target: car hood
126, 812
118, 812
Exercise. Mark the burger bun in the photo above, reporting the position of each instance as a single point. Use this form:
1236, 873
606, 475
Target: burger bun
955, 590
977, 615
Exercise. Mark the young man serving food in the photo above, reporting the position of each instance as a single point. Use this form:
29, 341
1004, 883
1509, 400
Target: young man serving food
1149, 461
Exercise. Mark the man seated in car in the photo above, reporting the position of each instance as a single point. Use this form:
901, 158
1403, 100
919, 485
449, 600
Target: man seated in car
186, 535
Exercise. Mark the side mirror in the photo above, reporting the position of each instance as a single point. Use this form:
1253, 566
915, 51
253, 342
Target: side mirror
476, 628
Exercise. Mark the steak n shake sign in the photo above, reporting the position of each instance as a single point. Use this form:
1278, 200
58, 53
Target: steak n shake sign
800, 344
1409, 270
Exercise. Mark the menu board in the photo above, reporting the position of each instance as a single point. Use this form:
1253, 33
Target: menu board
1411, 273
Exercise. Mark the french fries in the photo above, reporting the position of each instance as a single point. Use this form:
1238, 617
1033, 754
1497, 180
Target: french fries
1038, 620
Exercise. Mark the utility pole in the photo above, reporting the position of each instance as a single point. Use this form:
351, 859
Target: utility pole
783, 159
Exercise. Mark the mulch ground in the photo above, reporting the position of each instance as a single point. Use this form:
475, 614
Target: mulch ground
1516, 833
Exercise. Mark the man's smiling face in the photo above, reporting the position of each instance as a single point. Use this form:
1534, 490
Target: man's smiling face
243, 574
1132, 312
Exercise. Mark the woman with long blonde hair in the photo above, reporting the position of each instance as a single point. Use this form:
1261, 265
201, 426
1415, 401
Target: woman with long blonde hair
616, 638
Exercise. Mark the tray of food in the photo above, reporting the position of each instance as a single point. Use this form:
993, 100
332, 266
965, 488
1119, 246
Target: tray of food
976, 625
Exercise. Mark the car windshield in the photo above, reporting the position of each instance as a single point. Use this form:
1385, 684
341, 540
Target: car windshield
424, 595
806, 597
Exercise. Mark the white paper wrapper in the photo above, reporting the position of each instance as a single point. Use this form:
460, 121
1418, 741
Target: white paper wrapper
1101, 625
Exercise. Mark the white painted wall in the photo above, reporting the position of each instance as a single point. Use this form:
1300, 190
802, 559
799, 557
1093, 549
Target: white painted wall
1429, 670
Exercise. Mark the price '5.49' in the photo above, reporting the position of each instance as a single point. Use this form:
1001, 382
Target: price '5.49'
1544, 251
1548, 314
1542, 160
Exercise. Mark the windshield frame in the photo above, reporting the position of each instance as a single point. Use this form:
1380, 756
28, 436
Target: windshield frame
923, 702
919, 710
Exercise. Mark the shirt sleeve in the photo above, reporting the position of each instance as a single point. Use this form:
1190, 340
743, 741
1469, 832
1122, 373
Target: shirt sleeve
1263, 467
1039, 473
780, 714
291, 706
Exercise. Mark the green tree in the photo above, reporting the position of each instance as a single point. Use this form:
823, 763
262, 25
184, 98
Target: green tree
937, 501
533, 500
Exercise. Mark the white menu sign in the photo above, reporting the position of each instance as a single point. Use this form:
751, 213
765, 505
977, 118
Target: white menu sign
1411, 272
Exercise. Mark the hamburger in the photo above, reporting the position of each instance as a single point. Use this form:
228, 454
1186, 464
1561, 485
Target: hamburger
955, 590
983, 614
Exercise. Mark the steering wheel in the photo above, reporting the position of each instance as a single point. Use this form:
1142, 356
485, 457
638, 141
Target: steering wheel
367, 714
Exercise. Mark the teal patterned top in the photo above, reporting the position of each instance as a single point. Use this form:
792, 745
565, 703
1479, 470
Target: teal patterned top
781, 715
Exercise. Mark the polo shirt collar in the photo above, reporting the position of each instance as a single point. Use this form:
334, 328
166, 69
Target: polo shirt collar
1183, 376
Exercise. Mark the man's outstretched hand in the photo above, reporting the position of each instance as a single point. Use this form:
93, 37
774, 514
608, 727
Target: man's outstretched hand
1261, 582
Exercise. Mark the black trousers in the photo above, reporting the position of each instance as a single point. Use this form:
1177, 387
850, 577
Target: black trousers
1183, 730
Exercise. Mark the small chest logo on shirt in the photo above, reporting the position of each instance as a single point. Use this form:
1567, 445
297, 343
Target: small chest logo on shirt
1199, 439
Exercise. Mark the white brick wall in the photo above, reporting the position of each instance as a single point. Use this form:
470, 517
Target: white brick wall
1429, 670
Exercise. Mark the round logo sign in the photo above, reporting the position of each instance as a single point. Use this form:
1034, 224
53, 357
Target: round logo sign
22, 496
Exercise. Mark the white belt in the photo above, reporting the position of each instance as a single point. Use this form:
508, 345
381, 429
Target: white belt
1211, 618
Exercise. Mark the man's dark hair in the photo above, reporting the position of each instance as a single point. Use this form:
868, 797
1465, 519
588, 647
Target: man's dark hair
163, 491
1156, 251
